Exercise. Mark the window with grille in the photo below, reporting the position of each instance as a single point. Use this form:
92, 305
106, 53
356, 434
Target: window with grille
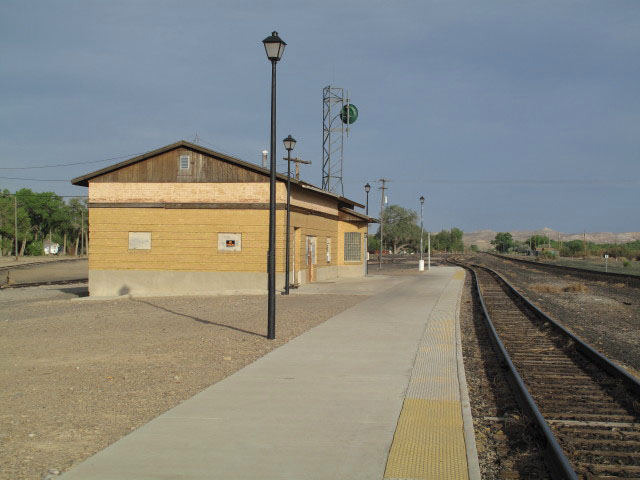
184, 162
352, 247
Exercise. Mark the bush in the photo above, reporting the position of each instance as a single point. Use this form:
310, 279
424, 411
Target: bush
626, 263
35, 248
547, 255
474, 248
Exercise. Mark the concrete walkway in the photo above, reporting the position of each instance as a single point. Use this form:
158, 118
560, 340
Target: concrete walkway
323, 406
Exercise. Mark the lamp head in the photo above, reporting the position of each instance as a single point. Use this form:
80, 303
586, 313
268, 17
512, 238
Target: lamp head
274, 46
422, 200
289, 143
367, 187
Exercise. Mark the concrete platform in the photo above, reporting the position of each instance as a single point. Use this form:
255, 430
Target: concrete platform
370, 393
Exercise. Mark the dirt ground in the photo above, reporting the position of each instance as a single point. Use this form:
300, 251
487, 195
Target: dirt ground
78, 374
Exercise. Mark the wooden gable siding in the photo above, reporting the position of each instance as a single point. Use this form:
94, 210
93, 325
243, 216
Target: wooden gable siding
165, 168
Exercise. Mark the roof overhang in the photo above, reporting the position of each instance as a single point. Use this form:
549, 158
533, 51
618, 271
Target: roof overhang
83, 181
358, 216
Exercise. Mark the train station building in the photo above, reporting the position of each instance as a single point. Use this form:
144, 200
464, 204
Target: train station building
187, 220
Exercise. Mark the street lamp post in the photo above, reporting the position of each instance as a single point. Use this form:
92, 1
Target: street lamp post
421, 262
289, 143
367, 188
274, 47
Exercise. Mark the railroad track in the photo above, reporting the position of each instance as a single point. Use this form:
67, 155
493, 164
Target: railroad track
612, 277
586, 407
41, 284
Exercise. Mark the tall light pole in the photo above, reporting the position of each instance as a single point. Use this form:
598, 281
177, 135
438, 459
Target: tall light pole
274, 47
367, 188
421, 262
289, 143
382, 189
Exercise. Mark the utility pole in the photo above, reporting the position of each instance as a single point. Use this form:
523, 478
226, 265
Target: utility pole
15, 223
382, 189
81, 231
297, 161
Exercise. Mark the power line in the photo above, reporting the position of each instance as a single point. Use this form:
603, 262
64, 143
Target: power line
34, 179
75, 163
2, 194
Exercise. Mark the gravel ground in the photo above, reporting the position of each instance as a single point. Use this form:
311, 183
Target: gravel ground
78, 374
605, 315
506, 447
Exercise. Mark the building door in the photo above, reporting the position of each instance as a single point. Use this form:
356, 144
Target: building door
311, 259
294, 266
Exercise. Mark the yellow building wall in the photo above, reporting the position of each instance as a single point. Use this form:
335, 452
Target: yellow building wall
182, 239
128, 192
344, 227
319, 227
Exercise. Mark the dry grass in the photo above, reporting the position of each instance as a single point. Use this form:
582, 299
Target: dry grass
548, 288
619, 285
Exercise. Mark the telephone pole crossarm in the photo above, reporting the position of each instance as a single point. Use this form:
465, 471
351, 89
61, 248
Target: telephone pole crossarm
297, 161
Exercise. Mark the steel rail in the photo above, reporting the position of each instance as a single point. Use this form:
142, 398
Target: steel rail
43, 284
583, 347
558, 462
580, 346
585, 271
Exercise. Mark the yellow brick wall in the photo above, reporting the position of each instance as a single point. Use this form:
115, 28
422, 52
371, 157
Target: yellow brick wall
182, 239
122, 192
344, 227
187, 239
319, 227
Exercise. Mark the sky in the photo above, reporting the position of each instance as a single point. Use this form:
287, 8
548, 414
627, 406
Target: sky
505, 115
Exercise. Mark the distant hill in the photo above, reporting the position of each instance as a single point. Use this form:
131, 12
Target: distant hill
482, 238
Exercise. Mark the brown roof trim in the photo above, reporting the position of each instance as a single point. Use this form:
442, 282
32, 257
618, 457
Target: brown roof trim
83, 181
362, 216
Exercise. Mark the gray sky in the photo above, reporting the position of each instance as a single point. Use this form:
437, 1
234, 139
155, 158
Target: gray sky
505, 115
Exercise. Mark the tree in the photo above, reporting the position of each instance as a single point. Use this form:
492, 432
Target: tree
503, 242
448, 240
7, 225
400, 228
373, 243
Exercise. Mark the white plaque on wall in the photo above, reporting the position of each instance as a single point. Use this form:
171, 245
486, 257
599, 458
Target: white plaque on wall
139, 240
229, 242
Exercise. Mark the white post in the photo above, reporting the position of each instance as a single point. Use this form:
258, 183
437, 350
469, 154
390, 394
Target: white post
421, 261
429, 249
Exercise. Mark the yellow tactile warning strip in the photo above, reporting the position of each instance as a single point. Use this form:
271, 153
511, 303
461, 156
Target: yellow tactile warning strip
429, 438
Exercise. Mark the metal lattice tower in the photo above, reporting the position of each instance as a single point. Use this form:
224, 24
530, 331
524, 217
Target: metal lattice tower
333, 130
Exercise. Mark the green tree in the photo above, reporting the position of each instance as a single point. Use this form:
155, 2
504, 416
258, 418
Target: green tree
536, 240
7, 225
448, 240
400, 228
503, 242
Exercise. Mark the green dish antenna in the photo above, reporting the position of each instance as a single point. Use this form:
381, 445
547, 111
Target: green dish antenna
349, 114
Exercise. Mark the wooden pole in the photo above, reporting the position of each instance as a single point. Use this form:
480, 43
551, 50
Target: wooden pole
15, 223
81, 231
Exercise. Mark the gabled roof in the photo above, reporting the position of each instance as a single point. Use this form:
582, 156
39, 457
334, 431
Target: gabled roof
83, 181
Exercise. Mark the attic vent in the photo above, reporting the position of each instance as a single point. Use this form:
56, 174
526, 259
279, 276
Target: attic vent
184, 162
